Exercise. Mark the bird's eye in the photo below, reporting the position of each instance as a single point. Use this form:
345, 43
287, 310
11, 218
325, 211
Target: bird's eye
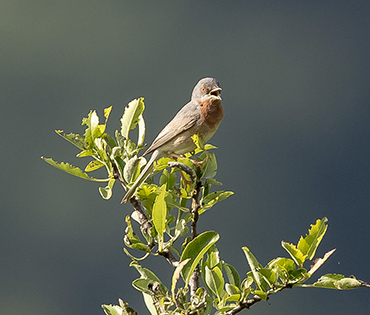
203, 89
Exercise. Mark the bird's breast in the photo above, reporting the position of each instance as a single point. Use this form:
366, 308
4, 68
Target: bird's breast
212, 112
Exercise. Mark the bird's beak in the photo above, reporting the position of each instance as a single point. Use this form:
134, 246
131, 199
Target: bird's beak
216, 93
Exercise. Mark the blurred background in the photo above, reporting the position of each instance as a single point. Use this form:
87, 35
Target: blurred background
294, 144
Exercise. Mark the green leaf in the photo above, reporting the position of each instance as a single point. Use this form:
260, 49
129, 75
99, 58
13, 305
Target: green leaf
168, 179
113, 310
295, 253
232, 274
338, 282
160, 214
213, 257
214, 280
150, 304
142, 285
309, 244
85, 153
93, 129
148, 274
107, 113
131, 116
121, 309
73, 170
261, 294
195, 250
73, 138
268, 275
133, 241
176, 276
132, 169
198, 141
211, 199
255, 266
110, 141
141, 132
94, 165
232, 289
180, 229
210, 170
282, 267
106, 192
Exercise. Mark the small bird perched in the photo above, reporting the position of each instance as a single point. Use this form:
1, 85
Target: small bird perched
202, 116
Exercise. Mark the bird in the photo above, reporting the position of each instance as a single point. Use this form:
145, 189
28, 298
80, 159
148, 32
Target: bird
202, 116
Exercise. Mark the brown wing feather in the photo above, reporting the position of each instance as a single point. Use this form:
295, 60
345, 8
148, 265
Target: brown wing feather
184, 119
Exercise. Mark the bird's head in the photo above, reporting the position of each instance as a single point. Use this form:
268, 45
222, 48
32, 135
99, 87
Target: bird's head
206, 88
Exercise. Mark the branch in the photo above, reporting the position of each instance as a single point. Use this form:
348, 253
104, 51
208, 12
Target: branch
194, 209
143, 220
146, 226
244, 305
166, 253
187, 169
194, 278
248, 303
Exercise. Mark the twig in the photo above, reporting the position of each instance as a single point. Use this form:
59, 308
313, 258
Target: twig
194, 278
143, 220
194, 282
146, 226
194, 209
244, 305
187, 169
248, 303
166, 253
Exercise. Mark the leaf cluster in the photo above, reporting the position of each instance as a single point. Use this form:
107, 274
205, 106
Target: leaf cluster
118, 154
163, 224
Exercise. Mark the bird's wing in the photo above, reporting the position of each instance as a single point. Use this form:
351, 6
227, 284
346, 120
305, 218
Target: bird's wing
184, 119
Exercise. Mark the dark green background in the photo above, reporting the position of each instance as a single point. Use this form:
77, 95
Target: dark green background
293, 146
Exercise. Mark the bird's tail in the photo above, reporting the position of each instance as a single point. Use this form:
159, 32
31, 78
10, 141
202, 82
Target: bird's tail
142, 177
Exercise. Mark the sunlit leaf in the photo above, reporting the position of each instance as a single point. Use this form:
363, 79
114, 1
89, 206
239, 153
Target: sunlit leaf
213, 257
232, 289
132, 168
211, 199
73, 170
198, 141
131, 239
263, 295
283, 267
295, 253
160, 214
232, 274
141, 132
93, 165
85, 153
195, 250
210, 170
106, 192
132, 116
338, 282
113, 310
93, 130
309, 244
176, 275
255, 266
214, 280
73, 138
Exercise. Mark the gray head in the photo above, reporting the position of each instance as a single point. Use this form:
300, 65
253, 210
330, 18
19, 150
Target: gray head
206, 87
